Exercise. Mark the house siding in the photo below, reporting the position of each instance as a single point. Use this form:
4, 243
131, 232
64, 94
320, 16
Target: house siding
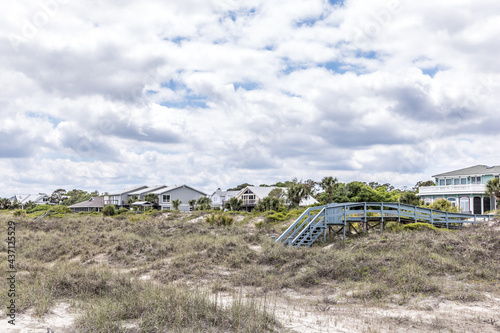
184, 194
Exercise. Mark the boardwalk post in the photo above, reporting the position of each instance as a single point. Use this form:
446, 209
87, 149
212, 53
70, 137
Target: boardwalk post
345, 219
382, 218
399, 212
289, 241
415, 214
365, 229
447, 226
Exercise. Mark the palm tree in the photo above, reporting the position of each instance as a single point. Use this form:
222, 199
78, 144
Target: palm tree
328, 184
192, 203
204, 203
150, 197
493, 188
132, 199
5, 203
176, 203
296, 192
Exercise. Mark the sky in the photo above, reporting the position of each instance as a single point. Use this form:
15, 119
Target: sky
103, 95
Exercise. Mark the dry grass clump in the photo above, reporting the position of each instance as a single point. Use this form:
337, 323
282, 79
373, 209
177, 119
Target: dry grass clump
97, 262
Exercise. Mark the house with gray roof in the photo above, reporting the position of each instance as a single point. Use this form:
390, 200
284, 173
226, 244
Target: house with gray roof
251, 195
219, 197
184, 193
464, 188
94, 204
119, 198
38, 199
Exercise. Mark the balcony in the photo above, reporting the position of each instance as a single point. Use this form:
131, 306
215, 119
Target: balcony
249, 202
453, 189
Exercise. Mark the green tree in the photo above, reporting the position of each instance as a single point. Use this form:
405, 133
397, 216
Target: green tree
239, 187
410, 198
493, 188
296, 192
234, 204
328, 184
419, 184
269, 203
203, 203
5, 203
444, 206
176, 203
132, 199
109, 210
150, 197
192, 203
57, 196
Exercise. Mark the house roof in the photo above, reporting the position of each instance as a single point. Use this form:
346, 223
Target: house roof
128, 190
148, 190
260, 191
225, 193
169, 189
23, 198
94, 202
475, 170
142, 203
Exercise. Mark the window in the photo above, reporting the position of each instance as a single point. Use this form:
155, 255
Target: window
475, 180
166, 198
464, 204
448, 181
427, 201
453, 201
497, 177
456, 181
463, 181
441, 182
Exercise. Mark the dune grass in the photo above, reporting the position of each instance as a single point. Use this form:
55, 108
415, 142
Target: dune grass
97, 263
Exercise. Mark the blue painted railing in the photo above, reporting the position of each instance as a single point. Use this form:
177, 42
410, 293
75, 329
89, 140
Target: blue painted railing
315, 220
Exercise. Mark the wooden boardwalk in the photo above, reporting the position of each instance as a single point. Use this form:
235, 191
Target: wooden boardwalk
345, 218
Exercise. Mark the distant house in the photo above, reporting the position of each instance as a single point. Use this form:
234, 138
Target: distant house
251, 195
39, 199
464, 188
94, 204
219, 197
184, 193
140, 194
119, 199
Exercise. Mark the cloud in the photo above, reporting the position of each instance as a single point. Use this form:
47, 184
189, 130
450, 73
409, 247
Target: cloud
102, 95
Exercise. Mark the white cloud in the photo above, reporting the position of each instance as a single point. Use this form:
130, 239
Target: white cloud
101, 95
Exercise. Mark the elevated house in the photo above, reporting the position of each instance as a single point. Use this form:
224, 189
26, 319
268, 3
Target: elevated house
219, 197
23, 199
94, 204
251, 195
184, 193
119, 199
464, 188
140, 194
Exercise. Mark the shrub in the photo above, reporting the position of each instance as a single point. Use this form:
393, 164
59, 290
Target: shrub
109, 210
19, 212
419, 226
38, 208
122, 211
219, 220
60, 209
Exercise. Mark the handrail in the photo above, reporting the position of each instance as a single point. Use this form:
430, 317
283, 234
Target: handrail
385, 210
319, 215
299, 219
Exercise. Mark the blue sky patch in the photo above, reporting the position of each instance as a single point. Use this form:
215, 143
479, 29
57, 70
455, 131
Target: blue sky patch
54, 121
431, 71
246, 85
189, 102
